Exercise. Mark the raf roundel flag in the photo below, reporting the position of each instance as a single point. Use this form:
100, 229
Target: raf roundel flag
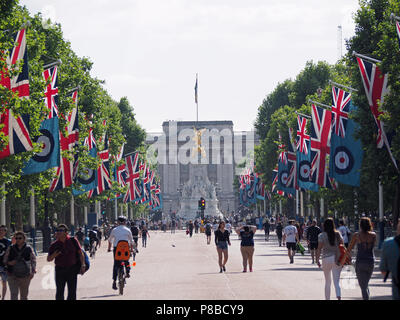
86, 177
49, 157
346, 156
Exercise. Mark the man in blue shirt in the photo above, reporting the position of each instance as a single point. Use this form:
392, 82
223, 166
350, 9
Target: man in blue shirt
4, 244
389, 261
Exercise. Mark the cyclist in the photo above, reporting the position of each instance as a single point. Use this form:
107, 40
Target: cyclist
93, 238
120, 233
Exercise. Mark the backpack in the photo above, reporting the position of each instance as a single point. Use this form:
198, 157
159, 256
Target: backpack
208, 227
78, 257
122, 251
22, 268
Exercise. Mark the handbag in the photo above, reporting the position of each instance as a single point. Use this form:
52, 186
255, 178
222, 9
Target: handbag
342, 255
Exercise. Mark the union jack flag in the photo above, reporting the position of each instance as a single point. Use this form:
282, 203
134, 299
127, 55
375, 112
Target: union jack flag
340, 111
320, 145
375, 85
242, 182
16, 128
260, 188
103, 172
17, 131
66, 172
132, 178
51, 91
20, 82
146, 196
275, 182
302, 136
282, 149
291, 156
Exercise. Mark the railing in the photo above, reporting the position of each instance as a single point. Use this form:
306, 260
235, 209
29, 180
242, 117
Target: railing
37, 245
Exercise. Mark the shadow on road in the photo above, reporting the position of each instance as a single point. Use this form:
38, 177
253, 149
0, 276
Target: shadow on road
105, 296
294, 269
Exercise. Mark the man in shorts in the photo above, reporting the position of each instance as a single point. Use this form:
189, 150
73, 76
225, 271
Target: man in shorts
312, 238
291, 237
208, 228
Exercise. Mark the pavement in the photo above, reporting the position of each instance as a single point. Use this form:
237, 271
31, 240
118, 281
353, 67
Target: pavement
177, 267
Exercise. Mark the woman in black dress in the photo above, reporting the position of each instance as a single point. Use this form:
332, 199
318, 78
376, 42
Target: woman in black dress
222, 241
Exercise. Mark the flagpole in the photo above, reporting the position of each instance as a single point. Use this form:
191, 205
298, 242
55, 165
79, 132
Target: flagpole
303, 115
341, 85
320, 104
55, 63
366, 57
197, 100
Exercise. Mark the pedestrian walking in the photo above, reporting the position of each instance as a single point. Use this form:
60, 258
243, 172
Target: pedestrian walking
312, 234
135, 234
247, 245
208, 228
4, 244
328, 244
65, 252
345, 232
21, 266
144, 233
279, 229
267, 227
228, 226
80, 236
196, 226
291, 236
390, 262
173, 226
222, 241
190, 228
365, 259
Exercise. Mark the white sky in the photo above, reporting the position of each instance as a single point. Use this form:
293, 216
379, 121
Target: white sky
151, 50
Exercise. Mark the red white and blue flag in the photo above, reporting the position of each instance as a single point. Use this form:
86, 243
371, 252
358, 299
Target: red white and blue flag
16, 128
146, 196
132, 178
66, 172
103, 171
375, 85
292, 159
20, 82
51, 91
320, 145
282, 151
340, 111
302, 136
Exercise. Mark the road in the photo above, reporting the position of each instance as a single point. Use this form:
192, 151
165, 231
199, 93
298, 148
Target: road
177, 267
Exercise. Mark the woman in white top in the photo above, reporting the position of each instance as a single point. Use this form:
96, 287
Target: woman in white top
328, 244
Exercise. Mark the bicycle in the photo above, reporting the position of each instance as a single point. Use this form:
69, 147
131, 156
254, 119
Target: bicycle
134, 251
121, 278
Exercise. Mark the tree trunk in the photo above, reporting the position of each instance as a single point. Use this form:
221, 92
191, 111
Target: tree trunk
18, 219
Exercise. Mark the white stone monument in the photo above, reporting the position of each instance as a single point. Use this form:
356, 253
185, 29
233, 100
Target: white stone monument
198, 186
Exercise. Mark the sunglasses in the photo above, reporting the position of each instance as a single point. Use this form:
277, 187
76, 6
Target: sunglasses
19, 238
60, 230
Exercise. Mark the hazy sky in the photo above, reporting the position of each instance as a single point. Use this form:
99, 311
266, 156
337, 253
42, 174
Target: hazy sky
151, 50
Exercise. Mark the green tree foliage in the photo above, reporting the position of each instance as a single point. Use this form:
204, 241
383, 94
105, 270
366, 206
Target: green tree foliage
375, 36
45, 44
